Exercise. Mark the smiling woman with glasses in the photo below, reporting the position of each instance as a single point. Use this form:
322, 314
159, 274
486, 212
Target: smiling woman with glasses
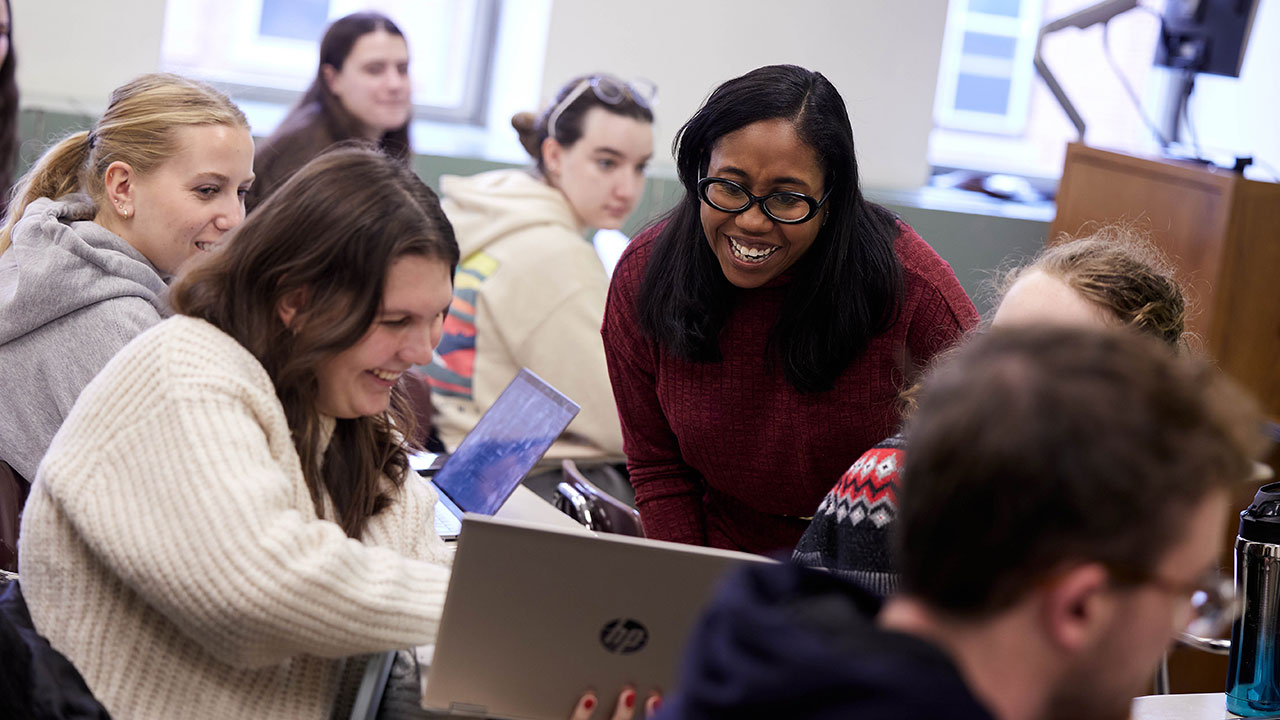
758, 335
531, 290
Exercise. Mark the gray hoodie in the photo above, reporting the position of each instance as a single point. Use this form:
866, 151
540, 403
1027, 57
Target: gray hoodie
72, 293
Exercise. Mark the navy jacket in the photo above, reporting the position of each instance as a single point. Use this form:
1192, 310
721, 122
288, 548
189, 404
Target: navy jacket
781, 641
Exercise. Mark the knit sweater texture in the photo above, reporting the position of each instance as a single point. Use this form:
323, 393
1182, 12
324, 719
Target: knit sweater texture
170, 548
849, 535
728, 453
72, 293
530, 292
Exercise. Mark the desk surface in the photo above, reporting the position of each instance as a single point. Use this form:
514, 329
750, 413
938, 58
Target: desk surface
1192, 706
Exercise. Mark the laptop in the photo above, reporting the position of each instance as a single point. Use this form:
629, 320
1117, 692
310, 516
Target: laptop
510, 438
535, 615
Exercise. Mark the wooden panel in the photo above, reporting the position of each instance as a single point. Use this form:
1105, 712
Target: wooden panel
1247, 313
1222, 233
1186, 210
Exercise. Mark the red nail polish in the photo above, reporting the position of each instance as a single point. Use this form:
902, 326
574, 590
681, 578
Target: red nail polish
657, 703
629, 699
589, 703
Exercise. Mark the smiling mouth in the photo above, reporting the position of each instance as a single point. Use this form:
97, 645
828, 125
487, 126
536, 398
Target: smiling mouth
205, 246
385, 375
750, 255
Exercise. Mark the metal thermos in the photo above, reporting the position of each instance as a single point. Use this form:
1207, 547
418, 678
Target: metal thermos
1253, 672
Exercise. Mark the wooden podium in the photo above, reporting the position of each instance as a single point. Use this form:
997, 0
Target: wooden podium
1222, 233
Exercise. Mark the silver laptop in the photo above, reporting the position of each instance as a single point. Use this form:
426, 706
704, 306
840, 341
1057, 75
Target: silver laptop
535, 615
510, 438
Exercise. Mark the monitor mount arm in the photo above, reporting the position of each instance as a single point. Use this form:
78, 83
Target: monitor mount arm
1098, 13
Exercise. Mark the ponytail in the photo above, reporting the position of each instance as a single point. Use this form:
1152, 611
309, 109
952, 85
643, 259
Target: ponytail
57, 173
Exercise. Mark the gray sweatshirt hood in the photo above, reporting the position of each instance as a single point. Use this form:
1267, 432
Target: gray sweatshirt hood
487, 207
60, 261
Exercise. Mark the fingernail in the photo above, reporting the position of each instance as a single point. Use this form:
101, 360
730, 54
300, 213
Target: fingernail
657, 703
588, 703
629, 699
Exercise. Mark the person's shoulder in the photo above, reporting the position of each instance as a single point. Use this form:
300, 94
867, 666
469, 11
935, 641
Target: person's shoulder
192, 352
920, 262
635, 258
303, 133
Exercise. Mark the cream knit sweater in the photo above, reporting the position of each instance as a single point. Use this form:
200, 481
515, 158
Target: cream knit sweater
170, 548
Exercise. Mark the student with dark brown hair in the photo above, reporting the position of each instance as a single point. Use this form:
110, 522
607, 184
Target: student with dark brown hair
361, 91
227, 511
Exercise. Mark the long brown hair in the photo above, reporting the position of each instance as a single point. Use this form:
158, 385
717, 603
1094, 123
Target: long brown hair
335, 46
329, 234
139, 127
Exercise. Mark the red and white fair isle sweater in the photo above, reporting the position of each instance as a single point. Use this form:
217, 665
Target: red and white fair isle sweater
728, 453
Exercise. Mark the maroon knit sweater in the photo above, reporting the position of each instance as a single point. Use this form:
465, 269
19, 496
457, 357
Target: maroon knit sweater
728, 453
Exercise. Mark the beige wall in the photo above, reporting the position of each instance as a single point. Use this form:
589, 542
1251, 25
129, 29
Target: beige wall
881, 54
73, 53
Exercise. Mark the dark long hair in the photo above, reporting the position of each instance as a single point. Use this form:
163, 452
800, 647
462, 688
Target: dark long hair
330, 233
847, 287
8, 117
335, 46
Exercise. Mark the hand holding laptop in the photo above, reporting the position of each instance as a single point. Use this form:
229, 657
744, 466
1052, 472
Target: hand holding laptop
623, 709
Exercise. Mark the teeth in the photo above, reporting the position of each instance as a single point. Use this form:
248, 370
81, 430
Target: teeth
746, 254
384, 375
205, 246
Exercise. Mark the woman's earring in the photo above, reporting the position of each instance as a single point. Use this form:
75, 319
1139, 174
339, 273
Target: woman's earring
124, 211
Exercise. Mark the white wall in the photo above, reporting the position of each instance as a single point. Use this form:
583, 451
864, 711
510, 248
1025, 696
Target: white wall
73, 53
881, 54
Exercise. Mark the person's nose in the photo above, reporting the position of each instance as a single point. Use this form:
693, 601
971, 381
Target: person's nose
628, 187
420, 342
230, 214
397, 80
753, 220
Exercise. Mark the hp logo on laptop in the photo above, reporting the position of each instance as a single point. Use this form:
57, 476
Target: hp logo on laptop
624, 636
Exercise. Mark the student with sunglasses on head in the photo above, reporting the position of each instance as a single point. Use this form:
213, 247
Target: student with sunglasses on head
530, 291
758, 336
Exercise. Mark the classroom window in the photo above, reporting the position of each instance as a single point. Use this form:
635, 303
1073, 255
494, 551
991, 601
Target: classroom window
267, 50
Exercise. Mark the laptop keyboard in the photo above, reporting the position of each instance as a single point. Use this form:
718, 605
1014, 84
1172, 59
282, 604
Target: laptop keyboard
446, 524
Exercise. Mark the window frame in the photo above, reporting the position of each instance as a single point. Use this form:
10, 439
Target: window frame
472, 108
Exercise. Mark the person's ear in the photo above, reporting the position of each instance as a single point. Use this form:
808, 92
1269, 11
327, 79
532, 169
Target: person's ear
118, 180
329, 74
1077, 606
290, 305
552, 156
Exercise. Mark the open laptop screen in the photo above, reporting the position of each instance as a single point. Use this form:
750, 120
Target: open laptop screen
505, 444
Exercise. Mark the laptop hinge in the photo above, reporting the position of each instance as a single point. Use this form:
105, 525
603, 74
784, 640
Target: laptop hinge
457, 708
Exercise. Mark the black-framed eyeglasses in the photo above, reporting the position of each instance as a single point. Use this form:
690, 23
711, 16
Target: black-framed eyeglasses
786, 207
607, 89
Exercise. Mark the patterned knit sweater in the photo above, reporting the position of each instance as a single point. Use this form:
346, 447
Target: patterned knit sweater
849, 535
728, 453
171, 551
